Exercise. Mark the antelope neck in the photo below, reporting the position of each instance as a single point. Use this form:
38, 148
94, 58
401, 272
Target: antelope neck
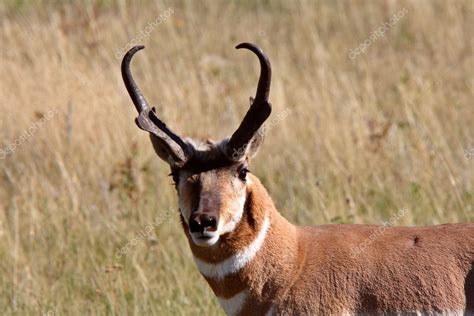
262, 250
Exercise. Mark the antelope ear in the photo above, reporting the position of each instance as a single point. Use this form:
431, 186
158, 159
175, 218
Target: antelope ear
160, 149
256, 142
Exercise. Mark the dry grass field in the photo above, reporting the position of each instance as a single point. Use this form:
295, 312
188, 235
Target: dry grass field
366, 134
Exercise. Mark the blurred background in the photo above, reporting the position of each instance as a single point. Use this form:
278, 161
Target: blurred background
372, 114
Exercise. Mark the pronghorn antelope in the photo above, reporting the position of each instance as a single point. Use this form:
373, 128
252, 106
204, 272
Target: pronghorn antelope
258, 263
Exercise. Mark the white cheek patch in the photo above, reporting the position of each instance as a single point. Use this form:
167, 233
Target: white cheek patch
237, 211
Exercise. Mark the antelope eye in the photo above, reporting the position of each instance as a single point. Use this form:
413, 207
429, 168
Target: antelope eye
243, 174
194, 179
175, 176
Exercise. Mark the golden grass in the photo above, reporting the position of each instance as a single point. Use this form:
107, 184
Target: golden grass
366, 136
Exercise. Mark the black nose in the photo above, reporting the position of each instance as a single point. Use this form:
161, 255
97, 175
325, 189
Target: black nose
203, 221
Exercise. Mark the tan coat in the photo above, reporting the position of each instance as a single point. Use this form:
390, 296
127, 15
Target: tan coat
313, 270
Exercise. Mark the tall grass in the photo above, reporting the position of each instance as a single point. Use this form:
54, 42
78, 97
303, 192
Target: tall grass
365, 137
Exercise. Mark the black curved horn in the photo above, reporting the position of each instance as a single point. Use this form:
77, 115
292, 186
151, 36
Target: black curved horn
177, 151
259, 110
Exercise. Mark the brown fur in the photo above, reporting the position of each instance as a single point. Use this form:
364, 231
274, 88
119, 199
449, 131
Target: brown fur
299, 270
310, 270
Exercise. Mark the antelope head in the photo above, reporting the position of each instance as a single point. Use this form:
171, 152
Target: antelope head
210, 177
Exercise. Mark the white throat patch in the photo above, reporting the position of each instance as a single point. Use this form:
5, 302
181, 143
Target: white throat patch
234, 263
